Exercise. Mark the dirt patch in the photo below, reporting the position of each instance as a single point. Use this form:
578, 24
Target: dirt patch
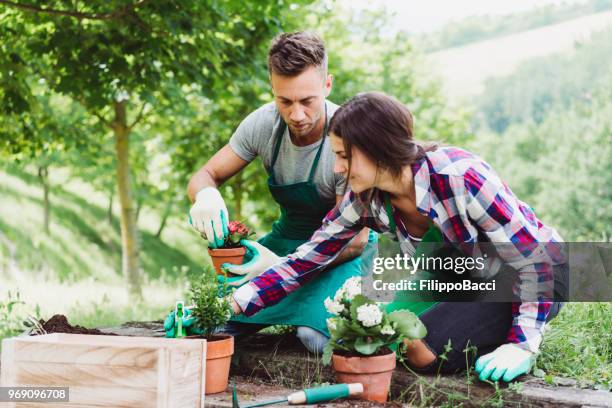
59, 324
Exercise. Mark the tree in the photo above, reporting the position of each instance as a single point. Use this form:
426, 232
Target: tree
561, 166
44, 137
115, 58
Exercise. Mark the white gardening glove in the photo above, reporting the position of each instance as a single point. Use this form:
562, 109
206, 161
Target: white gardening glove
261, 259
208, 215
508, 361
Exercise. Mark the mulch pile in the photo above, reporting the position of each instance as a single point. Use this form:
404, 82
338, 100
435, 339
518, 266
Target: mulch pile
59, 324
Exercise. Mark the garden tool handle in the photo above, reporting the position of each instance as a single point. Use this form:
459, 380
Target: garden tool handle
325, 393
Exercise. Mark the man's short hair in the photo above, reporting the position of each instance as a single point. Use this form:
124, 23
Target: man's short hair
292, 53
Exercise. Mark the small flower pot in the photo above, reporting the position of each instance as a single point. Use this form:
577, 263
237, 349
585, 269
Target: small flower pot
219, 352
229, 255
373, 372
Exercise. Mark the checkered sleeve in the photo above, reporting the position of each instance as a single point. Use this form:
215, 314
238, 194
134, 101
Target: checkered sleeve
505, 219
339, 227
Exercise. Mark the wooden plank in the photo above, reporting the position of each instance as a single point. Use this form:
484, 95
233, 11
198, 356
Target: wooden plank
118, 356
59, 374
6, 373
112, 371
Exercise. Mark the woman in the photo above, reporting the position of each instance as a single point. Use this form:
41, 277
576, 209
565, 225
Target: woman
406, 190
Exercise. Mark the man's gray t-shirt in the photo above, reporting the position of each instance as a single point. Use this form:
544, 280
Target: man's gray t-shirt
255, 137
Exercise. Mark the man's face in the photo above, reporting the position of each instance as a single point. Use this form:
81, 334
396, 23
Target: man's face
300, 99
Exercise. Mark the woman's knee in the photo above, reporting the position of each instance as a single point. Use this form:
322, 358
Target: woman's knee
312, 339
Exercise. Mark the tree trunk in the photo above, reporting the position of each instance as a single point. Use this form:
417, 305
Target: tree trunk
109, 213
164, 219
138, 208
129, 232
43, 175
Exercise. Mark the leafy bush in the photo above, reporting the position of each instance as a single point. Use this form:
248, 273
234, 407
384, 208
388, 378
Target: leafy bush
210, 311
363, 327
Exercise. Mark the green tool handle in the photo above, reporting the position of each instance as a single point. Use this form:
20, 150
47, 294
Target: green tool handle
325, 393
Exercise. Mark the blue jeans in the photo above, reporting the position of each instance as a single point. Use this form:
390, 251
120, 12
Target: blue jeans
312, 339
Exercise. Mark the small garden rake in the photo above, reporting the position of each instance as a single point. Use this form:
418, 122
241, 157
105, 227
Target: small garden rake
308, 396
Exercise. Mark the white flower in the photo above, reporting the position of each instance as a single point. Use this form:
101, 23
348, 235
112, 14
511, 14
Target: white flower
369, 315
352, 287
339, 294
331, 324
333, 307
387, 330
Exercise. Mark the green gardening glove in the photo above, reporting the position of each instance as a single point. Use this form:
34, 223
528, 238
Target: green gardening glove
507, 362
224, 284
188, 324
257, 260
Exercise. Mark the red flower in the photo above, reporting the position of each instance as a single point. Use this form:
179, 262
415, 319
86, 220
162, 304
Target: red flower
237, 231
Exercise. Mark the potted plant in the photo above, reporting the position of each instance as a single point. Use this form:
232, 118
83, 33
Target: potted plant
362, 337
231, 251
210, 312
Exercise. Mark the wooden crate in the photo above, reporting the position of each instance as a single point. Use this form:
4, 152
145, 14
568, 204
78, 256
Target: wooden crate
108, 371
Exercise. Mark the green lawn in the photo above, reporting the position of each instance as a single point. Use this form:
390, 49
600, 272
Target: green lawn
578, 344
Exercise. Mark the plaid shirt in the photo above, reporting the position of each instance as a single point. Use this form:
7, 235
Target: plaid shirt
466, 200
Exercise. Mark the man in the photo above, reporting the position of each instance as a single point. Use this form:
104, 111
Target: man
290, 136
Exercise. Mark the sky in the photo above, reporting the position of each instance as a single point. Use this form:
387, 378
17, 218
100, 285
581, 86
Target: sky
429, 15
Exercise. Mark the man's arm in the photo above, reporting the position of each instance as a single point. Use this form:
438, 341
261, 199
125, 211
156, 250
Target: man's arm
221, 167
355, 247
209, 215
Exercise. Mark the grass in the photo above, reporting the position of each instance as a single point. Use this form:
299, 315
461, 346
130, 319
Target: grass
75, 219
76, 270
578, 345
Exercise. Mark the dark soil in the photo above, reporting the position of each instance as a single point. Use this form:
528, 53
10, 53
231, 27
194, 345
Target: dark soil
59, 324
383, 351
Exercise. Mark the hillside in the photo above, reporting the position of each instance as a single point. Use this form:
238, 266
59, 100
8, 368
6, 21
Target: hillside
464, 69
480, 27
56, 275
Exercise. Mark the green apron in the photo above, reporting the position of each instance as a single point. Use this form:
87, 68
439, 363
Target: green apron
302, 211
410, 300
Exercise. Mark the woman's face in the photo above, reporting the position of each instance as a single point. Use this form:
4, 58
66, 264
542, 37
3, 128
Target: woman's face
363, 170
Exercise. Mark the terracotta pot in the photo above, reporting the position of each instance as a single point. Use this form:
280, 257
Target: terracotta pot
373, 372
223, 255
219, 352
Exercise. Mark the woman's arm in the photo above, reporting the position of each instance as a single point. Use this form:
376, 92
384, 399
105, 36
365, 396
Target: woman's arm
355, 247
506, 220
339, 227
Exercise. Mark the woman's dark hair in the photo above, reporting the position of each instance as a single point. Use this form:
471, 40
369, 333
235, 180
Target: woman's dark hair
381, 127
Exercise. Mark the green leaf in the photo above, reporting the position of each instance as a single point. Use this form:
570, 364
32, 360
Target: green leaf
408, 324
355, 328
367, 345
